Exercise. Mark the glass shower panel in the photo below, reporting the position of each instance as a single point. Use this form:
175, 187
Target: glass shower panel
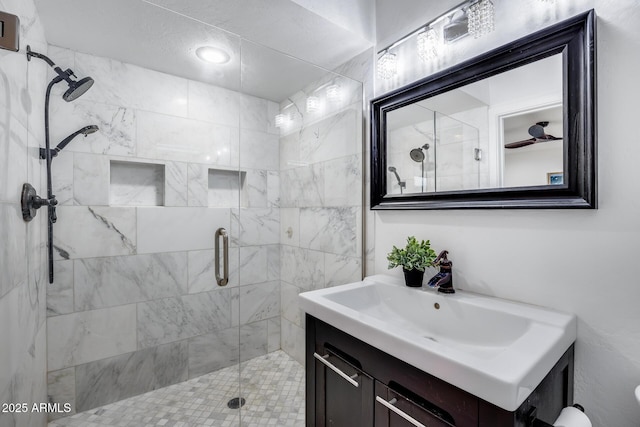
411, 150
300, 217
457, 165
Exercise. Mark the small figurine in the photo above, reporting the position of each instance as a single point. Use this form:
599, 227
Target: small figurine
444, 279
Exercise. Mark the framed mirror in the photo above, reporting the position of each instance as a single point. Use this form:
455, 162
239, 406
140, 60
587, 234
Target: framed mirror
512, 128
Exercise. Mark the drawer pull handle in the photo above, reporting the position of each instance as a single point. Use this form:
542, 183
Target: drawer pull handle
389, 405
350, 379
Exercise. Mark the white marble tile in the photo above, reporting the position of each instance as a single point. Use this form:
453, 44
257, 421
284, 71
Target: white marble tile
172, 229
273, 262
61, 389
13, 69
290, 309
60, 293
343, 181
302, 267
176, 184
186, 140
253, 264
62, 178
13, 256
289, 151
253, 340
214, 104
171, 319
334, 137
198, 184
112, 281
273, 189
214, 351
251, 227
202, 276
334, 230
136, 184
77, 338
106, 231
290, 226
90, 179
292, 340
224, 187
273, 334
302, 187
339, 270
254, 113
10, 316
117, 126
13, 164
259, 150
254, 189
116, 378
259, 302
135, 87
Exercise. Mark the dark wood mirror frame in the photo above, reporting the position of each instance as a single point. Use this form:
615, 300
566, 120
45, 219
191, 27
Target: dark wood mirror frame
575, 40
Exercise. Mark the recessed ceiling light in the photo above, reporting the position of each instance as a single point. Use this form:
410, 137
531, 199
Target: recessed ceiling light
212, 54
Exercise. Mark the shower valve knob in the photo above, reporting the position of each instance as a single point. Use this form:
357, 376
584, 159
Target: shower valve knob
31, 202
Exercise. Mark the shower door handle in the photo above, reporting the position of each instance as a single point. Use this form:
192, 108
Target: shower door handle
222, 281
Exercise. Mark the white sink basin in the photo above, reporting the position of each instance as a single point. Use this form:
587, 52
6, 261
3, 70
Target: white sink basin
495, 349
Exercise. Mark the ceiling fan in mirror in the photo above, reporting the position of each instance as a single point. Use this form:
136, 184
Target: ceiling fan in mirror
538, 135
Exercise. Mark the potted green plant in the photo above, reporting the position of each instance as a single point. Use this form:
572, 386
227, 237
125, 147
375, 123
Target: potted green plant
414, 258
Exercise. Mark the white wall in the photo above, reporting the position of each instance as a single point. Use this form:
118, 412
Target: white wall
580, 261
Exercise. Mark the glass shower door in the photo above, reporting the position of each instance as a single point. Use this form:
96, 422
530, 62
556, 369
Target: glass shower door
300, 218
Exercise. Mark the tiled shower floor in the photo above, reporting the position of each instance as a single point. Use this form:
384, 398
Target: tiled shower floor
273, 386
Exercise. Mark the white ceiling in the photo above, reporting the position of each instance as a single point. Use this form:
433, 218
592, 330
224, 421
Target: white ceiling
272, 43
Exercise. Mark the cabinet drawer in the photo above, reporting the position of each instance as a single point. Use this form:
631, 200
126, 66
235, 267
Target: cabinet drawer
343, 392
394, 409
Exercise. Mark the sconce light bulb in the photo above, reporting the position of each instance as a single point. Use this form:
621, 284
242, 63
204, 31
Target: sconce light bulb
279, 120
313, 104
334, 94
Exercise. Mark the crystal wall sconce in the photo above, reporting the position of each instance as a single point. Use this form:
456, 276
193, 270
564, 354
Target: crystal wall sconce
475, 17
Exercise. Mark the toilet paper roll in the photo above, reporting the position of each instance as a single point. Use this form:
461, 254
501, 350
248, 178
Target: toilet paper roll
572, 417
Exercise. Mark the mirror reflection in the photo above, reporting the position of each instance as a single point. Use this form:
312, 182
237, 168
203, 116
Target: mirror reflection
503, 131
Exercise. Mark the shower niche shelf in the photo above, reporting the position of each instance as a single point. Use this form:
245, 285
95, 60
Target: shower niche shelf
136, 184
224, 187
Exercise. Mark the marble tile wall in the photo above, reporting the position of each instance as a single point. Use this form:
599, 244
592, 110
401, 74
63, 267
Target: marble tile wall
321, 172
135, 304
22, 268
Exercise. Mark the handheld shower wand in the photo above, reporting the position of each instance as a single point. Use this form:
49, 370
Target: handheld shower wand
401, 183
87, 130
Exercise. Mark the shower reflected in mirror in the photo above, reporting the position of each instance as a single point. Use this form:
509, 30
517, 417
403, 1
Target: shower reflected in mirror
402, 184
418, 155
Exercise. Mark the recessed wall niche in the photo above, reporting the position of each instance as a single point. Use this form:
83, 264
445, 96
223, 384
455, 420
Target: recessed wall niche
136, 184
224, 187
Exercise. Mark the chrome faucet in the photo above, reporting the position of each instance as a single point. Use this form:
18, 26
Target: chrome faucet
444, 279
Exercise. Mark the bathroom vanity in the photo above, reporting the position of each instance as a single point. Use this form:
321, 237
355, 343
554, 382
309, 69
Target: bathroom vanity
383, 389
370, 362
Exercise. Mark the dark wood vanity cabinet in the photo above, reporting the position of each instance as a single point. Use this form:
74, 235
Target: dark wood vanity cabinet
340, 402
349, 383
